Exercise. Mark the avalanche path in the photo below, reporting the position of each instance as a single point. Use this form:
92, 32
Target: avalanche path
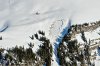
58, 41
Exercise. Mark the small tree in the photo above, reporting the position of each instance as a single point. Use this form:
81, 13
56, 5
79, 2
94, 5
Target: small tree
30, 45
1, 38
41, 32
36, 36
83, 36
32, 37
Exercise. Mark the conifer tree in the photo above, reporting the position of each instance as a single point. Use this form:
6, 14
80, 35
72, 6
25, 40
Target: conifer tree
45, 50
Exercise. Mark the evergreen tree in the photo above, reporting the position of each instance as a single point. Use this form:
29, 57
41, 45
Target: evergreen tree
83, 36
32, 37
45, 50
30, 45
36, 36
70, 49
41, 32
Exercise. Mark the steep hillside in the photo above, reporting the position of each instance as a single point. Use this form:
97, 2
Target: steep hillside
17, 17
20, 19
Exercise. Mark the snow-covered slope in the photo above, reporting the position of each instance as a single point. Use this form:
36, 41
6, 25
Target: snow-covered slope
21, 12
94, 38
20, 19
91, 35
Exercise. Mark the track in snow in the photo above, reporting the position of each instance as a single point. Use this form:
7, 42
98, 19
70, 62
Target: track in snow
56, 28
4, 27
